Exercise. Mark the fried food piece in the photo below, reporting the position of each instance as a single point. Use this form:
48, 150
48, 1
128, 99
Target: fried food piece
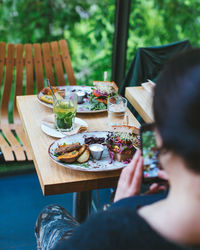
47, 99
68, 157
62, 149
47, 91
82, 149
84, 157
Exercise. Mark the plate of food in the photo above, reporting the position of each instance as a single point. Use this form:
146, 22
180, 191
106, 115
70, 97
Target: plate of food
91, 99
75, 151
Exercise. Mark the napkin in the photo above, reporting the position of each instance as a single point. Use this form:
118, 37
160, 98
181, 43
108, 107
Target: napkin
50, 122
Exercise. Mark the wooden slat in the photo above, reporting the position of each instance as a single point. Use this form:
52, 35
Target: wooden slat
67, 62
6, 149
7, 83
49, 57
2, 58
16, 147
38, 66
29, 69
21, 134
48, 62
58, 64
18, 91
18, 78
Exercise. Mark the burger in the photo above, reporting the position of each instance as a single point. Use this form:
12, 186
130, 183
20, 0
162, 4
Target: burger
101, 92
122, 143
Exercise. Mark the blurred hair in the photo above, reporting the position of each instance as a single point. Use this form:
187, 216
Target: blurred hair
176, 107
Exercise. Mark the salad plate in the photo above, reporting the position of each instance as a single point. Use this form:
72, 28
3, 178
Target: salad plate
86, 107
104, 164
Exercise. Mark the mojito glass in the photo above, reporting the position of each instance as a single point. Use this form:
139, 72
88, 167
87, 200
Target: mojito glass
64, 109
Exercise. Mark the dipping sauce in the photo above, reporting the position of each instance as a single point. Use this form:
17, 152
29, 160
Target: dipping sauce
81, 95
96, 151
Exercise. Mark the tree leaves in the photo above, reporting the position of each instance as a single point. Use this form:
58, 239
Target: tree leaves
159, 22
88, 26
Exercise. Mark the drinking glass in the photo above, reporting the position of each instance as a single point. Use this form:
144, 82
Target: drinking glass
116, 110
64, 109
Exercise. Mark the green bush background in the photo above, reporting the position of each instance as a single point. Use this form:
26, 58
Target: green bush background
88, 26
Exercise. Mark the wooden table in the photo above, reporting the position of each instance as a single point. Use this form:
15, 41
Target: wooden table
141, 100
55, 179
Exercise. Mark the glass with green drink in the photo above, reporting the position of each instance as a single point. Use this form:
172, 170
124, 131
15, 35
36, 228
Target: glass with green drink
64, 108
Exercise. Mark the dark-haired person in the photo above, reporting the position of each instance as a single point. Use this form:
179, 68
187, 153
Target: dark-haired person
173, 222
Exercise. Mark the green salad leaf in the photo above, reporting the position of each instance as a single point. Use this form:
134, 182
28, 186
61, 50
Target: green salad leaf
95, 105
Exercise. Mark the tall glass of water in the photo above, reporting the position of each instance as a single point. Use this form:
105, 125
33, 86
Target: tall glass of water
116, 110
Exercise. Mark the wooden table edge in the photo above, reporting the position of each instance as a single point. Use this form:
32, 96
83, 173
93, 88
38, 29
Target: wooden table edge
26, 133
53, 189
137, 106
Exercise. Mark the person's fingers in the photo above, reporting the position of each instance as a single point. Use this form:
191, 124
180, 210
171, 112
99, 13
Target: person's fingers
162, 175
136, 173
137, 177
134, 159
155, 188
126, 180
129, 170
162, 188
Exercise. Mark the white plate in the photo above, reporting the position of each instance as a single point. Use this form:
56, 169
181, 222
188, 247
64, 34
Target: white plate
90, 166
57, 134
81, 108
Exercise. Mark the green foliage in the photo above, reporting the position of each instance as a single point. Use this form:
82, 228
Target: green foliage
159, 22
88, 26
148, 140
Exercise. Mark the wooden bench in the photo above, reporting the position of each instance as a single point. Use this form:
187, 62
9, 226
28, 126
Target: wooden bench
23, 70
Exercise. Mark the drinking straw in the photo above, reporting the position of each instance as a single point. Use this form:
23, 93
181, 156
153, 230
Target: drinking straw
48, 83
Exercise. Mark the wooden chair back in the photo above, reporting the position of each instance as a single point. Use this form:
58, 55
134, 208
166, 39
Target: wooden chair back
23, 70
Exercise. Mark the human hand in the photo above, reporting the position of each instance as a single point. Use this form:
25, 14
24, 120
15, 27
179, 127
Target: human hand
158, 187
130, 179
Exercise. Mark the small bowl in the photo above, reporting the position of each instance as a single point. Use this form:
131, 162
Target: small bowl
96, 151
81, 95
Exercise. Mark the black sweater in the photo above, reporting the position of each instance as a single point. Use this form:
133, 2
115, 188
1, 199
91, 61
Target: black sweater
118, 228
